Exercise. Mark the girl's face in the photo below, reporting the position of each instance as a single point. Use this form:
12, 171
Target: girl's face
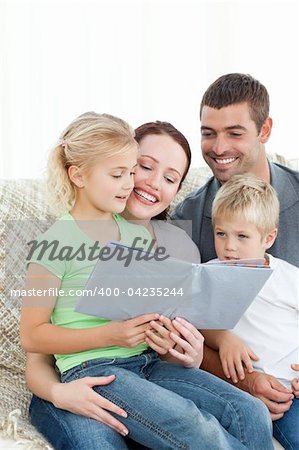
105, 188
161, 165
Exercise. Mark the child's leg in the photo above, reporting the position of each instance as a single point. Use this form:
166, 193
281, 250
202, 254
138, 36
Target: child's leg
67, 431
157, 418
241, 414
286, 429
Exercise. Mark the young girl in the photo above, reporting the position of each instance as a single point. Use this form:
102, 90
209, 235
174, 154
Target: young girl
164, 158
92, 172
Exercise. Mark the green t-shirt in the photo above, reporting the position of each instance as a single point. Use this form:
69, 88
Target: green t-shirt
68, 257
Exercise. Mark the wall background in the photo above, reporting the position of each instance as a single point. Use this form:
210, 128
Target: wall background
140, 59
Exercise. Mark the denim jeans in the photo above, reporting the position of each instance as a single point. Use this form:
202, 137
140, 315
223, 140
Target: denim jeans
169, 407
286, 429
68, 431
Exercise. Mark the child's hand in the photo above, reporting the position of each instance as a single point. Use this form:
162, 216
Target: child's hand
295, 381
158, 336
233, 354
129, 333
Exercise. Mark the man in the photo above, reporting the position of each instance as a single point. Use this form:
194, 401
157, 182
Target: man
235, 126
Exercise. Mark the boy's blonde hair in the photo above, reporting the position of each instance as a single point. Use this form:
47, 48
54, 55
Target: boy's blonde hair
249, 198
88, 138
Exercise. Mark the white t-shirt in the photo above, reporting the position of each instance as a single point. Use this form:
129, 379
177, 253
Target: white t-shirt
270, 325
176, 241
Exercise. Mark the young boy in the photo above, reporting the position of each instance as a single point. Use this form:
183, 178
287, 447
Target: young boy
245, 216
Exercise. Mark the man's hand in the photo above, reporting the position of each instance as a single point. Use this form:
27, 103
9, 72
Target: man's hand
267, 388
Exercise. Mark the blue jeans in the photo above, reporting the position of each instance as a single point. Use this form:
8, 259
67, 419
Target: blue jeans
169, 407
67, 431
286, 429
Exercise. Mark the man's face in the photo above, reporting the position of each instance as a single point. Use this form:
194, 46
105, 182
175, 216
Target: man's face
230, 141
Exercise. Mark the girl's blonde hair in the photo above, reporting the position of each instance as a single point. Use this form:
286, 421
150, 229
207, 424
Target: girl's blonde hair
250, 199
88, 138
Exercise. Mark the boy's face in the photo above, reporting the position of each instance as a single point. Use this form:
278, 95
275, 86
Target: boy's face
237, 239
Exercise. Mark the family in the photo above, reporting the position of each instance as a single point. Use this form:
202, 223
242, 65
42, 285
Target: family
150, 382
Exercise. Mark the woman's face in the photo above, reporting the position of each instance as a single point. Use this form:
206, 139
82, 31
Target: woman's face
161, 165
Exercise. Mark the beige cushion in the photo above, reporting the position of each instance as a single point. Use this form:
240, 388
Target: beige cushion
23, 214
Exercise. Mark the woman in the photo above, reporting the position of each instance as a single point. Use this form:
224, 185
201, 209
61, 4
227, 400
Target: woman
163, 162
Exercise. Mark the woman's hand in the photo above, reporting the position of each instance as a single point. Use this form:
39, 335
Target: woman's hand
295, 381
79, 398
189, 343
158, 336
178, 340
233, 353
129, 333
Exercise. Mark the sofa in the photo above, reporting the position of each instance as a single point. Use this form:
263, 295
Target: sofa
24, 213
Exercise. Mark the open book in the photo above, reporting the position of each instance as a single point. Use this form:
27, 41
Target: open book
213, 295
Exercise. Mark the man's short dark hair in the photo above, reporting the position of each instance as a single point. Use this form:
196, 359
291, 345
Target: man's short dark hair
238, 88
